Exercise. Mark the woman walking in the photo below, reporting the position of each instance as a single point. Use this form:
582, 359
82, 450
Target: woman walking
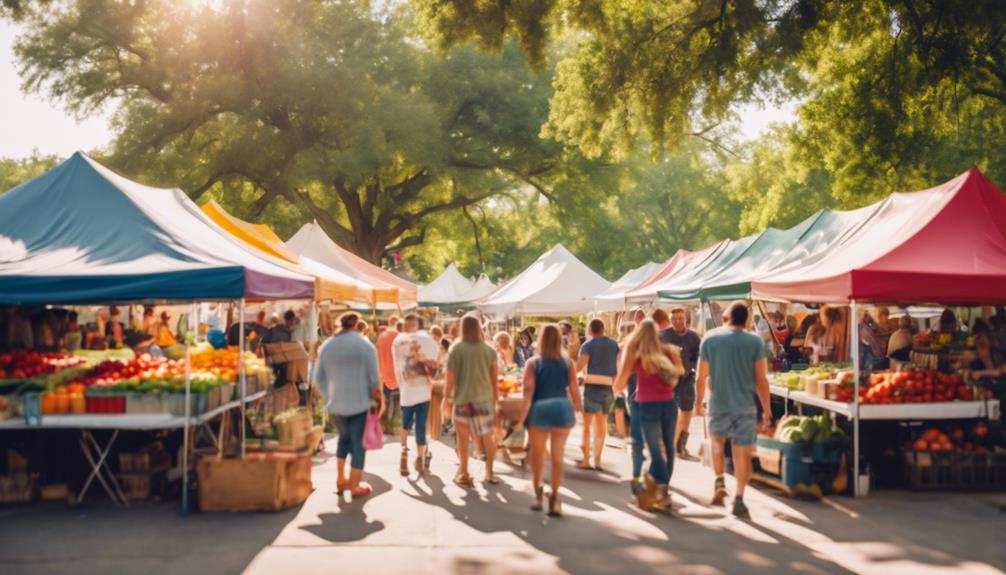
346, 370
657, 367
551, 394
473, 389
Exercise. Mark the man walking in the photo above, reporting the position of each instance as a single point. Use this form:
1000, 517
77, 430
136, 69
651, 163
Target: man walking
688, 342
415, 356
734, 362
598, 363
389, 380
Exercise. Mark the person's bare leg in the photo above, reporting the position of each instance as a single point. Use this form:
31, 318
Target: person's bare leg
719, 465
538, 446
489, 446
342, 482
684, 422
462, 446
600, 434
558, 449
742, 466
588, 422
559, 437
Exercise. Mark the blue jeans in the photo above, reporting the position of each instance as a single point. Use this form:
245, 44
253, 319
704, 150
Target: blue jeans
351, 437
417, 413
636, 432
660, 418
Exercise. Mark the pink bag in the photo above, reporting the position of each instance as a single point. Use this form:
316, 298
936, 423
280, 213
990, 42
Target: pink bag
373, 437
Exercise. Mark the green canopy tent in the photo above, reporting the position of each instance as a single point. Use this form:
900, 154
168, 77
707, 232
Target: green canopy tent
729, 274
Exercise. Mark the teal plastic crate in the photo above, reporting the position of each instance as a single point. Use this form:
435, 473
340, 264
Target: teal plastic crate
796, 460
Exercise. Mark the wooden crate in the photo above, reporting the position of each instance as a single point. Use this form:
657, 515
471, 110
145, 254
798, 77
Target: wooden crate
259, 482
136, 486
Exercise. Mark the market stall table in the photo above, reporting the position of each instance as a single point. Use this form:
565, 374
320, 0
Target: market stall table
96, 454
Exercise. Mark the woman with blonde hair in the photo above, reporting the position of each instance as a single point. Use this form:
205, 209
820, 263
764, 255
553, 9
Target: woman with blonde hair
473, 388
657, 367
551, 394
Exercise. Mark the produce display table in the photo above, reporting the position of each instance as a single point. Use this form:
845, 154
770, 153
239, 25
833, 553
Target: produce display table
96, 454
897, 412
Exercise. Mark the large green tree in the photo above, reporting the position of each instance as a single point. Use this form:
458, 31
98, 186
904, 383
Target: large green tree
876, 71
330, 110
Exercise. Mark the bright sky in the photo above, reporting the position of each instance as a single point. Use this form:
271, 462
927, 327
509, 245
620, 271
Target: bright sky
30, 122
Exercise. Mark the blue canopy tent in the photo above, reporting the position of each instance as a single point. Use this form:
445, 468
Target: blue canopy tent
81, 233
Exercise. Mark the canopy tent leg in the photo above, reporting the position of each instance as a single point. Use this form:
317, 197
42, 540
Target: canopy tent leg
241, 370
188, 410
853, 312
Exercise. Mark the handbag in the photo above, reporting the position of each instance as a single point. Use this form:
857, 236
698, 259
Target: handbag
373, 437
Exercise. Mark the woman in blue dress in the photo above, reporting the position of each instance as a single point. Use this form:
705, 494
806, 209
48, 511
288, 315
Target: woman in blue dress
551, 395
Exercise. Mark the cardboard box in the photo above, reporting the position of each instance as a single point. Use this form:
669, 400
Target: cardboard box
259, 482
292, 355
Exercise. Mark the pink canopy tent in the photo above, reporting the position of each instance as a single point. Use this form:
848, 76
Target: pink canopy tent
680, 262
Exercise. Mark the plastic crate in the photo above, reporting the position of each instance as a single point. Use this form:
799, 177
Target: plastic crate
793, 463
955, 470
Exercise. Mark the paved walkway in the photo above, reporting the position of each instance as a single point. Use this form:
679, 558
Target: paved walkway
429, 525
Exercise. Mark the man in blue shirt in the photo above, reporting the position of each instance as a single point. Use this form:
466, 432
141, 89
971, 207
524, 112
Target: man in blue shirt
599, 359
735, 365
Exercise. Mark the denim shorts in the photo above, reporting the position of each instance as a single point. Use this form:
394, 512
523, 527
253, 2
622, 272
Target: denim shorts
597, 398
551, 413
741, 428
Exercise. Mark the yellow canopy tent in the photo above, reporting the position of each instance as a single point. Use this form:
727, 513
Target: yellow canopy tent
330, 284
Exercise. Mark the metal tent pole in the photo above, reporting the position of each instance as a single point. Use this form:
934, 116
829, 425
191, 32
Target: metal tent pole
242, 376
188, 415
855, 397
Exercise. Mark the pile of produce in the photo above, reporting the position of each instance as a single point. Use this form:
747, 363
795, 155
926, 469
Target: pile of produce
912, 386
935, 440
223, 363
798, 380
25, 364
798, 429
102, 388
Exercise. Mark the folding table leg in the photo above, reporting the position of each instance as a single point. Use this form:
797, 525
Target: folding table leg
99, 465
105, 467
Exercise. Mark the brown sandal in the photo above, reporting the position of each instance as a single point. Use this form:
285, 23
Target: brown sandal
554, 505
464, 480
539, 494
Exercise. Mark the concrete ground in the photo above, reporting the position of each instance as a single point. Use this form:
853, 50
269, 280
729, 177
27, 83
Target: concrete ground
428, 525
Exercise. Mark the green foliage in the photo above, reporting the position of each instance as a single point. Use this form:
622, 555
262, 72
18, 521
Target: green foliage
295, 109
14, 172
888, 78
613, 216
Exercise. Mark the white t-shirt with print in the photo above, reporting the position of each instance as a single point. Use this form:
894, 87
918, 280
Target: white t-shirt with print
410, 351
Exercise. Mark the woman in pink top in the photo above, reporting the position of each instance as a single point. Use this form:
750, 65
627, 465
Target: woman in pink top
657, 367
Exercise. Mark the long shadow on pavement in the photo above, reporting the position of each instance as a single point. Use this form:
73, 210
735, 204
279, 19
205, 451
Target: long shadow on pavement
607, 543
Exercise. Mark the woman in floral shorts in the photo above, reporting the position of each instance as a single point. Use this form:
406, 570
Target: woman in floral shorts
472, 381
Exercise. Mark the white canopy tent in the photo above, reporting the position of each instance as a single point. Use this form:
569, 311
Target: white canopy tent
613, 298
557, 283
450, 287
483, 287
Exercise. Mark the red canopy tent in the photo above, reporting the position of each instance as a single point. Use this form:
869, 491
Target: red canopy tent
943, 245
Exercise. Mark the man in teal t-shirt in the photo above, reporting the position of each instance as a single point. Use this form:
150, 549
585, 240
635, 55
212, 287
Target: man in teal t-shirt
735, 365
